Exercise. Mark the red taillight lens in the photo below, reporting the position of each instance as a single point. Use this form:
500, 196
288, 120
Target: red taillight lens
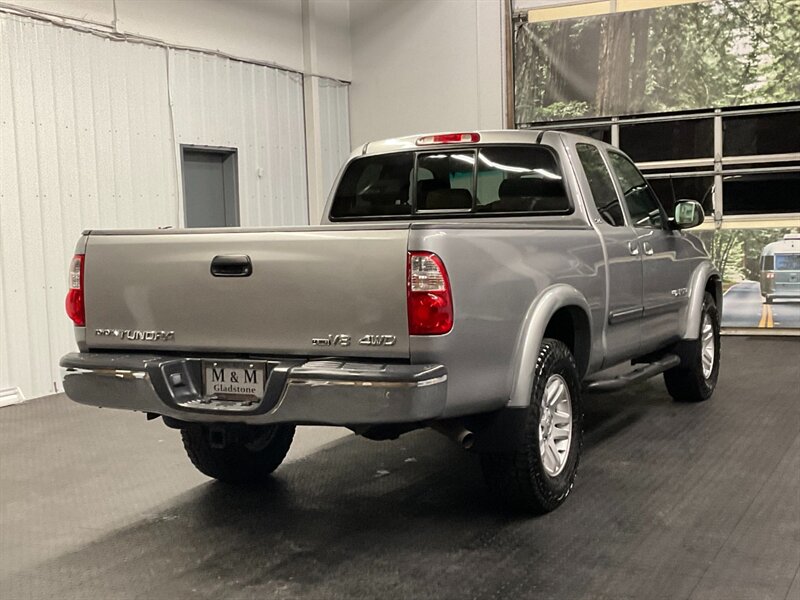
770, 275
76, 309
449, 138
430, 304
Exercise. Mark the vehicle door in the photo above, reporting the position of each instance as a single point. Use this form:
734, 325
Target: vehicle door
666, 255
623, 259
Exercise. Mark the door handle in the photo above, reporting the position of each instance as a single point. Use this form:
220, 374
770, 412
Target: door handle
633, 248
233, 265
648, 249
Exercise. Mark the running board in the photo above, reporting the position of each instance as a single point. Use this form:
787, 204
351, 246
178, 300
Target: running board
665, 363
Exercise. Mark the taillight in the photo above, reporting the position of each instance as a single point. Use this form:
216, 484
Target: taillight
76, 309
430, 304
449, 138
770, 275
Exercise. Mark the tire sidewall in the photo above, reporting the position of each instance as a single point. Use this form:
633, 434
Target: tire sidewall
707, 385
555, 359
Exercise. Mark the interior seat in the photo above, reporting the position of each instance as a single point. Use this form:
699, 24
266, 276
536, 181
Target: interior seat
529, 194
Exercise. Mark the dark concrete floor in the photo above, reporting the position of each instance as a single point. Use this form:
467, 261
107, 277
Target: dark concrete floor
671, 501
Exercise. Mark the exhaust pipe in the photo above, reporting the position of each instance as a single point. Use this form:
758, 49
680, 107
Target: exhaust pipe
456, 432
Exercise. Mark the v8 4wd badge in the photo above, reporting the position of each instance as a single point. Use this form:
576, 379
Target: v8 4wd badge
378, 340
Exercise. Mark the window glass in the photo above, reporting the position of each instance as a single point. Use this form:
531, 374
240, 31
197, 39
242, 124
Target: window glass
642, 203
601, 185
668, 140
450, 187
517, 178
761, 134
375, 186
520, 179
671, 189
769, 263
787, 262
764, 193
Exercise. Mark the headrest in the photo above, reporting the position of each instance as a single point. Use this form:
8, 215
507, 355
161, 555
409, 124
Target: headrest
530, 187
448, 199
425, 187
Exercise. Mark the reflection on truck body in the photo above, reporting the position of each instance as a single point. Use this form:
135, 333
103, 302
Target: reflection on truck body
780, 269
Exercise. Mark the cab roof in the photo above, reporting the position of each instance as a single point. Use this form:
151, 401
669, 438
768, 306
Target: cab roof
465, 139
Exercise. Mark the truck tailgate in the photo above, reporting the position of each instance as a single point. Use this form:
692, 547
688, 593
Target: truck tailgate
307, 285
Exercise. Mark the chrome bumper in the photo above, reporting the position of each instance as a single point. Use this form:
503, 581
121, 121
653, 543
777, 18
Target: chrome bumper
323, 392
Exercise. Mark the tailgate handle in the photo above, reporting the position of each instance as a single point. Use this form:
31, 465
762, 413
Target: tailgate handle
233, 265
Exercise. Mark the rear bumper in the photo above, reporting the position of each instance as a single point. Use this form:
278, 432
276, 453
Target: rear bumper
329, 392
780, 289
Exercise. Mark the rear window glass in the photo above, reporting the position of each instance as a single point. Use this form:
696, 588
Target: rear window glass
787, 262
444, 181
375, 186
520, 179
486, 181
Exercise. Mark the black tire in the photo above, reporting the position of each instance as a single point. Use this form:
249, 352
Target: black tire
686, 382
519, 478
237, 454
768, 299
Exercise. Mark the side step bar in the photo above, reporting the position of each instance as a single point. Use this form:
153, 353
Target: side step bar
665, 363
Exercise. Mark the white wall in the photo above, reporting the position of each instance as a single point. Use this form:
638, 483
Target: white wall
424, 65
268, 31
84, 142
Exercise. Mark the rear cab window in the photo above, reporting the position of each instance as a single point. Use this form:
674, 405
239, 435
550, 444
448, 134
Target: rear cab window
787, 262
484, 181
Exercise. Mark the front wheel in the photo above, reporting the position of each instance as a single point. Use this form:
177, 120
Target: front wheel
537, 475
695, 378
237, 454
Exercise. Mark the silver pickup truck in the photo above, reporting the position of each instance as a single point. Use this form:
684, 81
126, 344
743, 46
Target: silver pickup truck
476, 283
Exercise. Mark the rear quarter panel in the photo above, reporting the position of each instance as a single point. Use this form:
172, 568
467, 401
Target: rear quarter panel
496, 273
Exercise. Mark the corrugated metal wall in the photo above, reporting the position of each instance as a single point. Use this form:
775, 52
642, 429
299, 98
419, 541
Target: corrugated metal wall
87, 140
258, 111
82, 145
334, 120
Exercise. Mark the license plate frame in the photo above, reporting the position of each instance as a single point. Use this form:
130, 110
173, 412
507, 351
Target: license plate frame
235, 380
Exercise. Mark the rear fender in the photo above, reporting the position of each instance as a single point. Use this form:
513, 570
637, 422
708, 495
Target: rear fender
530, 338
697, 287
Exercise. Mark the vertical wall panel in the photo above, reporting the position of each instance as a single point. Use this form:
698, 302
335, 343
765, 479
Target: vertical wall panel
334, 127
83, 140
259, 112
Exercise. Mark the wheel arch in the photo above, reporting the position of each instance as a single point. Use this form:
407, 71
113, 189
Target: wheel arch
705, 278
561, 312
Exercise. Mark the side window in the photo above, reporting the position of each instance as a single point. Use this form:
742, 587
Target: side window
643, 206
519, 179
601, 185
444, 180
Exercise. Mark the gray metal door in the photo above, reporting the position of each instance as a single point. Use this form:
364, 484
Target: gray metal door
624, 261
209, 187
664, 254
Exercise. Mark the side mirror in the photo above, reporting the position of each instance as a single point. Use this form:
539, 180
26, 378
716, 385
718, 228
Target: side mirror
688, 213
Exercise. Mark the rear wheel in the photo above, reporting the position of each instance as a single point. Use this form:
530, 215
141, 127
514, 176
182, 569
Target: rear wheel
768, 299
237, 454
695, 378
537, 475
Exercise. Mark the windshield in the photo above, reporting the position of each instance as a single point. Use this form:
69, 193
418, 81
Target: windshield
488, 181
